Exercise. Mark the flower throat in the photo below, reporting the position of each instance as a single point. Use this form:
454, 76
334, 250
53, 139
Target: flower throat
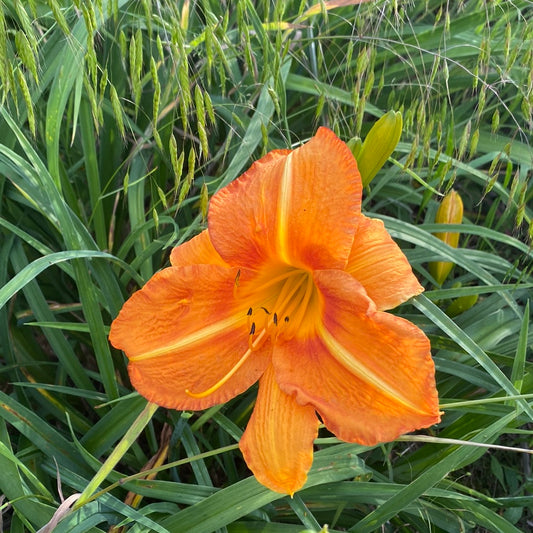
285, 304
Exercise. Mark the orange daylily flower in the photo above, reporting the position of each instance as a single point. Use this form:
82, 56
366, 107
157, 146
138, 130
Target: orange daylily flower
288, 286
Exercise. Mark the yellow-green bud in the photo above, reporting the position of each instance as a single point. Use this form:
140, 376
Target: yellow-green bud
354, 144
461, 304
378, 145
450, 212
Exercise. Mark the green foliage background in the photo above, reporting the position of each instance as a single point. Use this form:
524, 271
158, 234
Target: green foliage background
120, 118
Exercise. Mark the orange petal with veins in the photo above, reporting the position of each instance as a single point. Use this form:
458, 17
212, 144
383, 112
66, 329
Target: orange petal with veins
182, 331
377, 262
278, 442
197, 251
299, 208
369, 374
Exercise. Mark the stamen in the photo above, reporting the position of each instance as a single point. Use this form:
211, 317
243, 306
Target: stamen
302, 305
236, 283
288, 290
257, 342
276, 280
290, 294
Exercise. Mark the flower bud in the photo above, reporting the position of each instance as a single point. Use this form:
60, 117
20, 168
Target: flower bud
449, 212
378, 145
461, 304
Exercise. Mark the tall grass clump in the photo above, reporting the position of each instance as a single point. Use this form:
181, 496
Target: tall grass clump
119, 120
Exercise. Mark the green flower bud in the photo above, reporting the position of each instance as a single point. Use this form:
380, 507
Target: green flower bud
449, 212
378, 145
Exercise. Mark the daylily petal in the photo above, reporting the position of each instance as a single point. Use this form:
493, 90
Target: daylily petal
377, 262
278, 442
184, 331
197, 251
271, 213
369, 374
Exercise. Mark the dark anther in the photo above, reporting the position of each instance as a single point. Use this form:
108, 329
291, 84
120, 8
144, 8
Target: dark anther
275, 319
252, 329
265, 310
286, 319
249, 313
237, 277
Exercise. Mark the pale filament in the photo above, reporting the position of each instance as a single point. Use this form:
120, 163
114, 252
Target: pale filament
257, 342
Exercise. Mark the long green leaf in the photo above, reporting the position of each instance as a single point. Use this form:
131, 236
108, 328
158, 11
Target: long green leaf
213, 512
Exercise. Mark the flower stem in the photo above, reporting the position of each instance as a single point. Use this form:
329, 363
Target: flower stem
116, 455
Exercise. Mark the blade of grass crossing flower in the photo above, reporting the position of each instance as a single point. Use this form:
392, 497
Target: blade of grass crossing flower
448, 326
429, 478
118, 452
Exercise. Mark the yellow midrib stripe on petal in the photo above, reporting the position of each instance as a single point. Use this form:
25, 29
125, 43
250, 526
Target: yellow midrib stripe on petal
200, 335
345, 358
284, 202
